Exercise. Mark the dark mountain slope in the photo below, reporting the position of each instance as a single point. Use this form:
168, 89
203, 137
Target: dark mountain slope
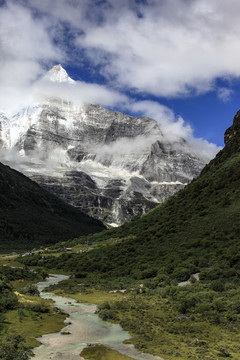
30, 216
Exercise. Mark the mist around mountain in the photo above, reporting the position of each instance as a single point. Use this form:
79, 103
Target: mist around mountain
110, 165
195, 232
32, 217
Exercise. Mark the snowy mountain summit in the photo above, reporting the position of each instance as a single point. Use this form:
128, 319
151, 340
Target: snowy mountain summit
58, 74
111, 165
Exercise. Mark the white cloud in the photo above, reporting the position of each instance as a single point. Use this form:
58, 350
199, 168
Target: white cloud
174, 128
203, 148
79, 93
224, 94
25, 43
174, 48
25, 49
166, 48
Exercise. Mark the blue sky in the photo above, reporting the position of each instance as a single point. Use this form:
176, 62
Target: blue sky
176, 60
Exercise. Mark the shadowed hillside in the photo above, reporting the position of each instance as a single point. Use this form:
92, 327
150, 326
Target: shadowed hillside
30, 216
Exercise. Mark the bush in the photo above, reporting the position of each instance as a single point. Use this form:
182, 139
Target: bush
12, 348
8, 301
181, 274
39, 308
107, 314
217, 285
31, 290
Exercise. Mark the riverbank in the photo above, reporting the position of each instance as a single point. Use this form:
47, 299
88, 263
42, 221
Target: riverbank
83, 327
33, 325
22, 312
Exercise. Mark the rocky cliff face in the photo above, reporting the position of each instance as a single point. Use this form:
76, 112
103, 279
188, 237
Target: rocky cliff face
111, 165
232, 130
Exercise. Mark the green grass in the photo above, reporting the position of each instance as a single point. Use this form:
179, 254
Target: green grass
101, 352
22, 283
85, 294
9, 260
33, 325
91, 296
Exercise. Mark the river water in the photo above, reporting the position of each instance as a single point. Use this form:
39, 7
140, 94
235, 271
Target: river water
83, 326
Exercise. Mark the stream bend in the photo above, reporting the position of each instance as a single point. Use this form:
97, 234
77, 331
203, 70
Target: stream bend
83, 326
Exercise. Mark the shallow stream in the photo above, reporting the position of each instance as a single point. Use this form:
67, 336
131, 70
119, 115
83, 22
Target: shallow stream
83, 326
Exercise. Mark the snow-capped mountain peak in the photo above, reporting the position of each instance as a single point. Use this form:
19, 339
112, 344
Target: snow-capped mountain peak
111, 165
59, 74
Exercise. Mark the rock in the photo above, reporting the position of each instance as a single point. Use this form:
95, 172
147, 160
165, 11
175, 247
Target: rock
231, 132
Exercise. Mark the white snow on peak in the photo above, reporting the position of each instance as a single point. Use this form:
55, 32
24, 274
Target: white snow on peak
21, 122
59, 74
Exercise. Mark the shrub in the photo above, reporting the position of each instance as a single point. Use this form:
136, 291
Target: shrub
12, 348
217, 285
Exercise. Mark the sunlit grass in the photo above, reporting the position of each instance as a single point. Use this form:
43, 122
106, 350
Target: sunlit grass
101, 352
32, 325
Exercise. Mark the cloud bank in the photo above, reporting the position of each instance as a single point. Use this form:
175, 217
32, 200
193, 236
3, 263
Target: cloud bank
173, 48
166, 48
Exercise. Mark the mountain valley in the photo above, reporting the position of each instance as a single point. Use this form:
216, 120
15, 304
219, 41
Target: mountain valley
170, 278
195, 232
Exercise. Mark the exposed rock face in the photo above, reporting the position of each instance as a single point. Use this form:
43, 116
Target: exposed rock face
111, 165
4, 131
232, 130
